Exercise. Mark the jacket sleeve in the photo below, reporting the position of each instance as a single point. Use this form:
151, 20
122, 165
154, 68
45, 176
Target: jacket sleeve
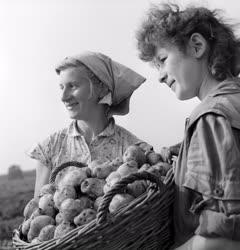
213, 171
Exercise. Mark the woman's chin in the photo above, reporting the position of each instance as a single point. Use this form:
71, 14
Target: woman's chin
73, 115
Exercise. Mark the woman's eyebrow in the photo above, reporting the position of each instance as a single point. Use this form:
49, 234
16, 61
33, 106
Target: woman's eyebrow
73, 82
69, 82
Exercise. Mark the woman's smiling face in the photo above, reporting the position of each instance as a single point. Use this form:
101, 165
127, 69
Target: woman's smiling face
181, 71
76, 93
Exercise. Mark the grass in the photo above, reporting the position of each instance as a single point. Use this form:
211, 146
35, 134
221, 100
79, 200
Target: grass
14, 195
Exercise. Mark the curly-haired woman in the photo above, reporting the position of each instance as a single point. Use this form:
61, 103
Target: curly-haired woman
197, 55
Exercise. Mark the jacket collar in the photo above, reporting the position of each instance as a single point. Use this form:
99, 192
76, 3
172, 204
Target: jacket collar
210, 105
229, 86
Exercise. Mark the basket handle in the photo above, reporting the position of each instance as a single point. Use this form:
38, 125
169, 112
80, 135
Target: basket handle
62, 166
107, 198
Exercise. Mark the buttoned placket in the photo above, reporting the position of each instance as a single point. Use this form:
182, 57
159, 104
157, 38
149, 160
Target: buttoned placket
92, 146
86, 147
94, 142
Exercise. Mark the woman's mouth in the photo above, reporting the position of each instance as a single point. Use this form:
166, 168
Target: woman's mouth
171, 84
71, 106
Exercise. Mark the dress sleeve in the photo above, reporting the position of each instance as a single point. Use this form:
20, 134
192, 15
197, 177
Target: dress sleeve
213, 171
42, 152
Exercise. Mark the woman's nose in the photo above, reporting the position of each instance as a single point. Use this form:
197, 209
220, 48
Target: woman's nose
163, 77
65, 95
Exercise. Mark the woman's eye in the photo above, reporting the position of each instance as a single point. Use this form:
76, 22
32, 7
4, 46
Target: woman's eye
73, 86
162, 60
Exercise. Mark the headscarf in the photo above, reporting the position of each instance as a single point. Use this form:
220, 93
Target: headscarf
120, 80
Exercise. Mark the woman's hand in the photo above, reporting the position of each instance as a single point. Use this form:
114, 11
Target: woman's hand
168, 153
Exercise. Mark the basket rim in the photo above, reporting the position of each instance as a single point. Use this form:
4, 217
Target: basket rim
136, 204
151, 195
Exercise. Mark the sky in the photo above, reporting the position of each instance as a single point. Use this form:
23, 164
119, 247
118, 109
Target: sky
36, 35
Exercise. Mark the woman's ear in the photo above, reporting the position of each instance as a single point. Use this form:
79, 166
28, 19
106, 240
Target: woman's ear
198, 45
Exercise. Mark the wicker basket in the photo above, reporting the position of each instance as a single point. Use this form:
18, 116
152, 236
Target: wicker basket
145, 223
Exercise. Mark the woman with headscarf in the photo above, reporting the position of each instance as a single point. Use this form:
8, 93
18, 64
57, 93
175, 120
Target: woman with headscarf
94, 88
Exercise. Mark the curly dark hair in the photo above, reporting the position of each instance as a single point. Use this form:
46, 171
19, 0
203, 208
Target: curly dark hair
166, 24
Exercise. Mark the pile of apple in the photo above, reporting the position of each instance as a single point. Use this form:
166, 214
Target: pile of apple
77, 193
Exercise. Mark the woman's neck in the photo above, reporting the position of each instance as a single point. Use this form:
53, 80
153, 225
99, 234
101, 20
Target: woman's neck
93, 126
208, 84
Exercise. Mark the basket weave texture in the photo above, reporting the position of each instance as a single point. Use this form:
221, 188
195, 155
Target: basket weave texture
145, 223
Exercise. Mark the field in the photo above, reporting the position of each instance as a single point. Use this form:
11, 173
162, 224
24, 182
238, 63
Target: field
14, 195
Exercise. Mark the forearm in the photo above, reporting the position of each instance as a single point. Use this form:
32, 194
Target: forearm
198, 242
42, 177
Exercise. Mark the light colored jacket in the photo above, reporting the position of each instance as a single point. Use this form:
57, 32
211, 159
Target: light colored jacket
207, 176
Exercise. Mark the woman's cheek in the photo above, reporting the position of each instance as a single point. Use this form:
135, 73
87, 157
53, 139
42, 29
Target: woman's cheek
81, 94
